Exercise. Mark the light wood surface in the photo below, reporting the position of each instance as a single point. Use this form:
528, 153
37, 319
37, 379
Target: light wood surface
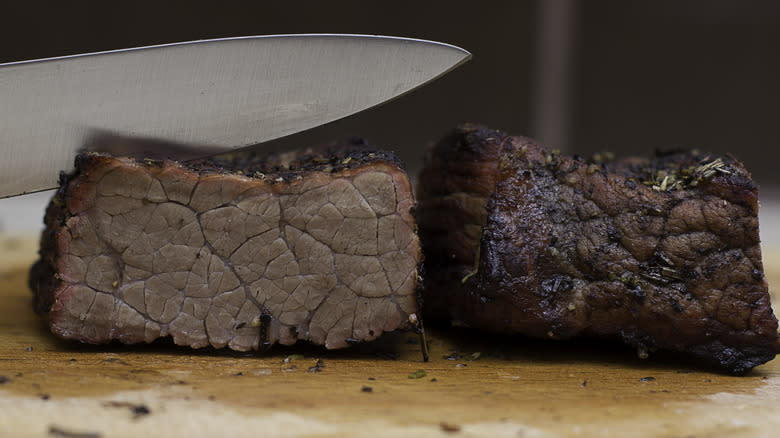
495, 386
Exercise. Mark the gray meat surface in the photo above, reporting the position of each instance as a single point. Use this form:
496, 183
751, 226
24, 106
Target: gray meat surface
240, 252
662, 253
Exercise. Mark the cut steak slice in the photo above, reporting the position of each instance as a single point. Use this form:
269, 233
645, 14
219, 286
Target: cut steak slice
240, 252
662, 253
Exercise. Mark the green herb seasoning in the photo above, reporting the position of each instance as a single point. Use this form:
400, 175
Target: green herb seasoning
419, 374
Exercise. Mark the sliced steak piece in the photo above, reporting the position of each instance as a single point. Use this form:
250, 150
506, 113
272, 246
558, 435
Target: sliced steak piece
661, 253
240, 252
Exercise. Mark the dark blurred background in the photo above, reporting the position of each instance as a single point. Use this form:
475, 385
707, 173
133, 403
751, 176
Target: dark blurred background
625, 76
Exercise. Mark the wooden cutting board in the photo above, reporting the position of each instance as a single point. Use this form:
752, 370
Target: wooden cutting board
475, 384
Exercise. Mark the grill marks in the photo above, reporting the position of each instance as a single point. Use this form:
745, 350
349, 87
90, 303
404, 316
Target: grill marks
145, 250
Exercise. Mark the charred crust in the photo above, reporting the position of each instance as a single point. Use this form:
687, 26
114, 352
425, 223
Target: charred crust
285, 167
43, 279
661, 252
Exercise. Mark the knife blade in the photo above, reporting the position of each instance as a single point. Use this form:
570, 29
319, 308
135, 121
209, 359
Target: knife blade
221, 94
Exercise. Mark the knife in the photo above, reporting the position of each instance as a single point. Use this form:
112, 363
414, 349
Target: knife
220, 94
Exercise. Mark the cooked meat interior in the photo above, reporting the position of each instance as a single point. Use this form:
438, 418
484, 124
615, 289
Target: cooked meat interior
662, 253
240, 252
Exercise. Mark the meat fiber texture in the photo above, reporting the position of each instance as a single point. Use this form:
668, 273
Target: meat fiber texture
662, 253
242, 252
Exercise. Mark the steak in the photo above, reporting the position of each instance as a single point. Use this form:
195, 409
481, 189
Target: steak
242, 251
662, 253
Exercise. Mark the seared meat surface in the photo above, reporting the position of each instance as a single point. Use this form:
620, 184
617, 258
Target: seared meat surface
662, 253
242, 252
